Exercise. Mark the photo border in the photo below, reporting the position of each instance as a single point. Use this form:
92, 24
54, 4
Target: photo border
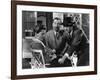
14, 38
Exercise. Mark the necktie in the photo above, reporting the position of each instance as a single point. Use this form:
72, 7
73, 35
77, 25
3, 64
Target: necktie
57, 35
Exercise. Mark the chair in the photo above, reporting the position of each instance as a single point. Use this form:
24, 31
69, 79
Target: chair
37, 61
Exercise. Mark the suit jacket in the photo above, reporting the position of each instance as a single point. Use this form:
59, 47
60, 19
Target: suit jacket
75, 42
51, 40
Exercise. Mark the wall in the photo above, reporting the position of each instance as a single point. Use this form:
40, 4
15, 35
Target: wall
5, 40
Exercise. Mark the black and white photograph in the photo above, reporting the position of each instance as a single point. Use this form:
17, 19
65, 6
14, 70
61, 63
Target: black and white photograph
53, 40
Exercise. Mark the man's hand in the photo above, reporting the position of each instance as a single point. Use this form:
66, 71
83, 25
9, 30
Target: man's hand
53, 51
53, 57
61, 60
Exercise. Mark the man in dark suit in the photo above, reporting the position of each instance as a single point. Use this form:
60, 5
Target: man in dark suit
76, 42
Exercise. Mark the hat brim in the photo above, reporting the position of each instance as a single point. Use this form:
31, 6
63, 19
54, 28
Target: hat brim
68, 24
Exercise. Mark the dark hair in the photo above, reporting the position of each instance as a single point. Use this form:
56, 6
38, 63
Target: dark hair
41, 28
39, 22
56, 18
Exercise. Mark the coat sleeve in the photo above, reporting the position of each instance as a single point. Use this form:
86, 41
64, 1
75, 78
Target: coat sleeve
75, 42
46, 40
65, 42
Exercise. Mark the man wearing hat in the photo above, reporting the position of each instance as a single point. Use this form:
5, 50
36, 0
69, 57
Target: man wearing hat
75, 42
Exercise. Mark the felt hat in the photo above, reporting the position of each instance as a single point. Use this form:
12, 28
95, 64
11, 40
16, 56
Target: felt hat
68, 22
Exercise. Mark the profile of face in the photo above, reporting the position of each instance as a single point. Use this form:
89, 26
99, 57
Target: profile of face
43, 31
56, 24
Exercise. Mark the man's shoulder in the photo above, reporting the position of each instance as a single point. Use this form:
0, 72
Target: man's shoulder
49, 32
78, 31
